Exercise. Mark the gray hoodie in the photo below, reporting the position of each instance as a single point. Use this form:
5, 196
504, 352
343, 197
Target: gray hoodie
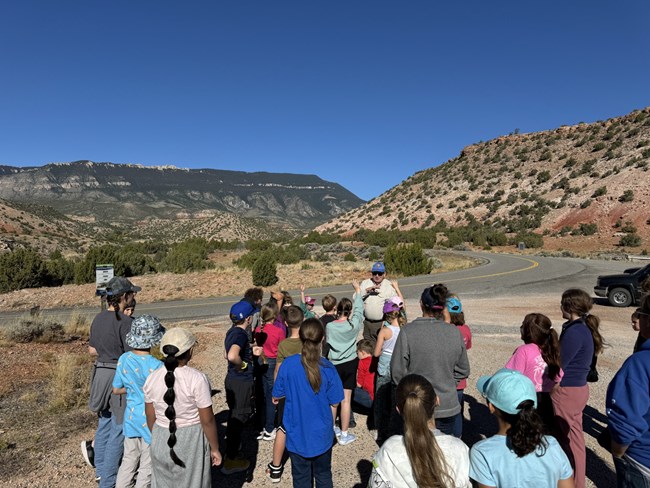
434, 349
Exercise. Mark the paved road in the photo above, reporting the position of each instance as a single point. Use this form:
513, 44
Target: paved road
500, 274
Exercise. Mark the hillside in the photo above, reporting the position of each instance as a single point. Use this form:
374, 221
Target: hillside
111, 192
43, 228
583, 185
68, 206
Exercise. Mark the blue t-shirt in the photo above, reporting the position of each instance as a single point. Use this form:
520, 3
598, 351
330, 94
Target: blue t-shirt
237, 335
492, 463
131, 373
307, 415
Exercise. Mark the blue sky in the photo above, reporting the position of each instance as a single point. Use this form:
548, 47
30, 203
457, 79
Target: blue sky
364, 93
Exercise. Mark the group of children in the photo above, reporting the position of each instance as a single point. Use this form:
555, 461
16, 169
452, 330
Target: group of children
312, 370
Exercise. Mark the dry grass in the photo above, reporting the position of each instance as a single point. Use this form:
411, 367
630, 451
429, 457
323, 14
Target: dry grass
69, 382
78, 325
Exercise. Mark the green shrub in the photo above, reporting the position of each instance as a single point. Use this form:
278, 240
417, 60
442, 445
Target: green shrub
407, 260
630, 240
600, 192
627, 196
189, 255
373, 256
265, 270
22, 268
585, 204
544, 176
530, 239
349, 257
629, 228
34, 329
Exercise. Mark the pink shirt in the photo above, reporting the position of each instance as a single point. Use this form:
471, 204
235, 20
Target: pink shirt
192, 389
467, 339
274, 335
528, 360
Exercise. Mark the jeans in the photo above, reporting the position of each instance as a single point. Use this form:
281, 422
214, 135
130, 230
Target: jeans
269, 408
109, 444
362, 397
448, 425
305, 470
458, 427
628, 474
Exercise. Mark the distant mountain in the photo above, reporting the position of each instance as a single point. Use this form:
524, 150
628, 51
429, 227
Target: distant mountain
114, 192
583, 180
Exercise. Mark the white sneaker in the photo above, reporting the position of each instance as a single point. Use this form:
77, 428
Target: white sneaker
266, 436
344, 440
337, 431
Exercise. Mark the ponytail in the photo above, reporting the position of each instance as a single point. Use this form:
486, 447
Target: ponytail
416, 401
526, 432
114, 301
311, 335
171, 363
344, 308
537, 329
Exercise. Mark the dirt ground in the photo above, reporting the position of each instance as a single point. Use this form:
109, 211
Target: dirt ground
40, 446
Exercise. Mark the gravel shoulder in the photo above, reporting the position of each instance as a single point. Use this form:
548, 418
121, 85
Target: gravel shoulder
56, 460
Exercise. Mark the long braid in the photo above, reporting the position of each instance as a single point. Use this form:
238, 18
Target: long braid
171, 363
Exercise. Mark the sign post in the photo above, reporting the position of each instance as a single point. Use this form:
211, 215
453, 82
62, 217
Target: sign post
103, 274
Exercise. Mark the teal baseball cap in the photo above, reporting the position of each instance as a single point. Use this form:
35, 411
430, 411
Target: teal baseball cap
506, 389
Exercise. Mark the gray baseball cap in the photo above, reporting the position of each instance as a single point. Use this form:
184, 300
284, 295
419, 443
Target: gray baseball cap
119, 285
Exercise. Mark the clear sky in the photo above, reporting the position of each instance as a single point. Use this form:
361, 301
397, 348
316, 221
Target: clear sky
361, 92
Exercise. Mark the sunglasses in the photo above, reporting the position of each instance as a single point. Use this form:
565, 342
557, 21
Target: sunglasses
377, 273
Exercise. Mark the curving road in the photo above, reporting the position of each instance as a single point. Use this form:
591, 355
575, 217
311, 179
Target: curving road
499, 275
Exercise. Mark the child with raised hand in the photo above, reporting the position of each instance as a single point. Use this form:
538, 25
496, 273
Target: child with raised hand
424, 456
268, 336
519, 454
342, 340
538, 358
133, 369
288, 347
384, 403
178, 404
312, 390
307, 304
457, 318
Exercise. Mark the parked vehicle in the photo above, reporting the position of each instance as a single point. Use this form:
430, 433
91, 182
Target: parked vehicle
622, 290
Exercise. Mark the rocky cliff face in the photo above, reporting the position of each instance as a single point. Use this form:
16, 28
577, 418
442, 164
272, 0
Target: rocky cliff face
113, 192
588, 181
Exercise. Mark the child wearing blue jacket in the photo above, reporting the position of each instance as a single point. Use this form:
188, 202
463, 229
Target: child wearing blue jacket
312, 391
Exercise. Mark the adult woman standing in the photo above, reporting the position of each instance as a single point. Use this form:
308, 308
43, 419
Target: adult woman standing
580, 341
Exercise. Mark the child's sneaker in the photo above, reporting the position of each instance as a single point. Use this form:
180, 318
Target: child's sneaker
236, 465
266, 436
346, 439
274, 472
88, 452
337, 431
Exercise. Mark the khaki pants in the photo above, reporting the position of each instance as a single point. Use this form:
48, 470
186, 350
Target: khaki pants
136, 461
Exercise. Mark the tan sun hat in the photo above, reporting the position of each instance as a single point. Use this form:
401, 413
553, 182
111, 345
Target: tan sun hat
182, 339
